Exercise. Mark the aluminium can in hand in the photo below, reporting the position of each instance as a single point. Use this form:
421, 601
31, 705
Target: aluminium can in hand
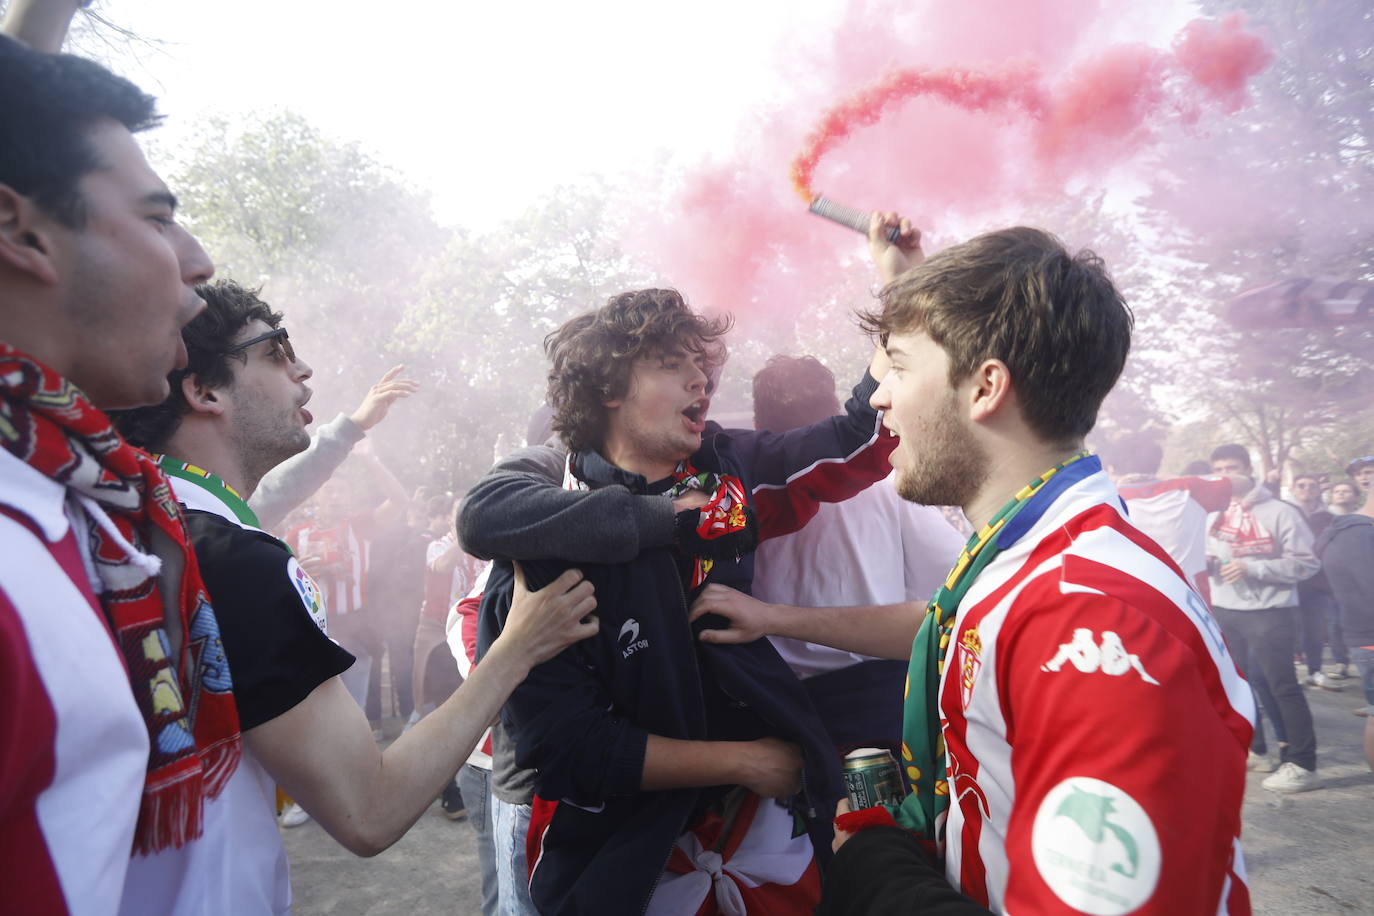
872, 778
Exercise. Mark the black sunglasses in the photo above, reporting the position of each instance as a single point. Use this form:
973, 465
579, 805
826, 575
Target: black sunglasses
278, 334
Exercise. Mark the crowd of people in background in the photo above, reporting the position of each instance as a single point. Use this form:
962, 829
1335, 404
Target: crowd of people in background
639, 649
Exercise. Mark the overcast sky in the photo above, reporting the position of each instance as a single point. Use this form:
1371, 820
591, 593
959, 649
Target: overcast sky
487, 105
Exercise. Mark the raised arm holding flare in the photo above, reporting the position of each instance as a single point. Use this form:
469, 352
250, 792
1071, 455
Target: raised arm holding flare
40, 24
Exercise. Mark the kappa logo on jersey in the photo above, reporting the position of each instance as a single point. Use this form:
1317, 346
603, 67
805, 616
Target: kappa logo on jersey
1095, 847
309, 593
629, 638
971, 662
1109, 657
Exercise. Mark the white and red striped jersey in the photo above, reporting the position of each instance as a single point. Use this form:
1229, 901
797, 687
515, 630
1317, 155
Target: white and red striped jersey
73, 743
1095, 726
344, 551
1174, 513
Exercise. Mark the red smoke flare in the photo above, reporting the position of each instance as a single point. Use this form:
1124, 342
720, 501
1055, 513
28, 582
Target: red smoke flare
1102, 109
966, 89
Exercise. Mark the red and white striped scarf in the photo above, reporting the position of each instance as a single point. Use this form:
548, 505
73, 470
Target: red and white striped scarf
141, 553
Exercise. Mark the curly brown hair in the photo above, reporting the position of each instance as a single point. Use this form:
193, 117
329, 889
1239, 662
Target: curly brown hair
592, 356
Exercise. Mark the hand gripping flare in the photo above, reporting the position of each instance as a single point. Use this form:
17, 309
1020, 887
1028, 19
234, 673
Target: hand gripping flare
852, 217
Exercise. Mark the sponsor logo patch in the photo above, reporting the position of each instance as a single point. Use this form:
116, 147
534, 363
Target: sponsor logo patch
630, 643
1088, 655
309, 593
1095, 847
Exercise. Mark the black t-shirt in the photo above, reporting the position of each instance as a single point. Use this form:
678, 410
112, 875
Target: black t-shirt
267, 607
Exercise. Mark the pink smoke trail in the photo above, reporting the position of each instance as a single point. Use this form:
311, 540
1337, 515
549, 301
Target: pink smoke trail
1102, 110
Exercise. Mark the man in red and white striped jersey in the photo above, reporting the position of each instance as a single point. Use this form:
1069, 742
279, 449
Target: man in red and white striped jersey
117, 734
1075, 730
1173, 512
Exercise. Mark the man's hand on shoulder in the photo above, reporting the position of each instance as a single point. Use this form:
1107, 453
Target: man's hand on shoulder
381, 396
749, 617
545, 622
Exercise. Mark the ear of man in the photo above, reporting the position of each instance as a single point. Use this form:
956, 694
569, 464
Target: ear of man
25, 246
990, 390
202, 399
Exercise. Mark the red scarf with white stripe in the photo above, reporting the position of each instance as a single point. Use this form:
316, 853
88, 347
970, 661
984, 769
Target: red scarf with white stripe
150, 590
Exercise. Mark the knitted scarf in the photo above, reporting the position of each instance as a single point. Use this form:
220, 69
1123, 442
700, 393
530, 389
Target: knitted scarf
1237, 526
926, 808
723, 514
150, 591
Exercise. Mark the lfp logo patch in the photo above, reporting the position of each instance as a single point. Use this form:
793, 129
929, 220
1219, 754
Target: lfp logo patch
309, 592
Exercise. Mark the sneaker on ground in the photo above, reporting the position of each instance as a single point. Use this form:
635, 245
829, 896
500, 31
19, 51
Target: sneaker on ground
1317, 679
1341, 673
1290, 777
1363, 711
1260, 763
293, 815
452, 803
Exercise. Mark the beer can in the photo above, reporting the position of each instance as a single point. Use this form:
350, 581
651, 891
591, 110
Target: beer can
872, 778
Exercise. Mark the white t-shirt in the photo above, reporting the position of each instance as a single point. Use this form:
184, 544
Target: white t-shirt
874, 548
1174, 513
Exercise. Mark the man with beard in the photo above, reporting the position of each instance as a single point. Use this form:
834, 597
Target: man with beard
234, 413
658, 760
1061, 630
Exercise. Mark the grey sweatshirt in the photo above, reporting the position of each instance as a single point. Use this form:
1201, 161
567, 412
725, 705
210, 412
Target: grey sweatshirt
297, 478
1271, 579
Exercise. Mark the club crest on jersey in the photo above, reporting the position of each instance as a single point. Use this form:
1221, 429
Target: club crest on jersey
1090, 655
1095, 847
970, 663
309, 593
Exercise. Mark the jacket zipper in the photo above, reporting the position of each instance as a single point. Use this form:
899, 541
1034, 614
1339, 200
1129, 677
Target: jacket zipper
701, 705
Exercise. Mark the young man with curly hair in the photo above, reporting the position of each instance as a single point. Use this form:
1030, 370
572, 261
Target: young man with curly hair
671, 777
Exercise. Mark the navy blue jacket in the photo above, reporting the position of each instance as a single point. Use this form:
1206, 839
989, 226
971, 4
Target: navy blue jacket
582, 720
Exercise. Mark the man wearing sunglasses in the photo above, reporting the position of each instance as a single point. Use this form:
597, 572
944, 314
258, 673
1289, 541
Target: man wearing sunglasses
235, 412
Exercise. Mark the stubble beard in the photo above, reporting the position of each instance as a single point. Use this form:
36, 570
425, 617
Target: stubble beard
950, 469
263, 443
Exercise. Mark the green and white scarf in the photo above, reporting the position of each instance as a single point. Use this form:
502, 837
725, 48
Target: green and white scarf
925, 808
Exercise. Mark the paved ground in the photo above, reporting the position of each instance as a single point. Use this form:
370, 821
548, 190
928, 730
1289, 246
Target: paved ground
1307, 854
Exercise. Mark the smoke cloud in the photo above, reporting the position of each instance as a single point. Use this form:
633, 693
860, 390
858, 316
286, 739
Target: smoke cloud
957, 116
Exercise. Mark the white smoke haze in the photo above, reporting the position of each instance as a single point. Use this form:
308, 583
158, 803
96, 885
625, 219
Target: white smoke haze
1186, 218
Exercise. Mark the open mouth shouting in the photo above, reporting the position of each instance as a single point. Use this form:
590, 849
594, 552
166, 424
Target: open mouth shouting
306, 415
695, 414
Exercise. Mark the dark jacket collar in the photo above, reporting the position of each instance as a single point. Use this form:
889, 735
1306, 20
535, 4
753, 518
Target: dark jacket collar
596, 472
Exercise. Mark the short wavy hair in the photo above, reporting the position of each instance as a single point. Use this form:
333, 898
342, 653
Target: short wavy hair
49, 104
1018, 295
592, 356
